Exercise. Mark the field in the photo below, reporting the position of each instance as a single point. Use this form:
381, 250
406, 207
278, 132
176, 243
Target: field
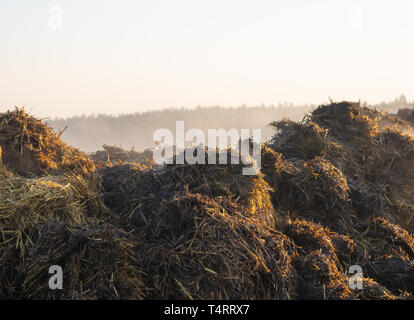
336, 190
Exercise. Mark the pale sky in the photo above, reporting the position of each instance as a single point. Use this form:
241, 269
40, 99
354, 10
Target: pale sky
107, 56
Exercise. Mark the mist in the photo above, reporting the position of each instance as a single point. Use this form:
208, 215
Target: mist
136, 130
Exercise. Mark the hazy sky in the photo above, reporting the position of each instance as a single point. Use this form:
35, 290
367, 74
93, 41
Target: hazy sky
60, 58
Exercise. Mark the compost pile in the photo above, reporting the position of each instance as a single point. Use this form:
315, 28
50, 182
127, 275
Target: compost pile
334, 191
30, 147
52, 214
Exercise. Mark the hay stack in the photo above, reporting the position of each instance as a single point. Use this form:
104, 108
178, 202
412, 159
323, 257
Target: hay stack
136, 190
201, 240
345, 121
208, 231
200, 248
304, 140
314, 189
30, 147
343, 166
226, 180
357, 142
26, 205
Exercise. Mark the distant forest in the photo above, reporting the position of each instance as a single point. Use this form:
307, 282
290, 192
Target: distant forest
128, 131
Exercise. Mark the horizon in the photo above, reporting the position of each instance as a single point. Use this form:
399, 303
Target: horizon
62, 59
285, 104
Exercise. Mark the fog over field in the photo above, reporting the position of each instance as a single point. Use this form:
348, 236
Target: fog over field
136, 130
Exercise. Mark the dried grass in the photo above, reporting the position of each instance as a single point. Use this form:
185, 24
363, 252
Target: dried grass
335, 190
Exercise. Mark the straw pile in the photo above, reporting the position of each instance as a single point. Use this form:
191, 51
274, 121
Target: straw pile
32, 148
314, 189
335, 190
343, 166
98, 262
60, 220
57, 219
208, 231
125, 184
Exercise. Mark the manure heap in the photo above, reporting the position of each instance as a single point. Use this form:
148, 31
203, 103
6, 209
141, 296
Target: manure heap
335, 190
